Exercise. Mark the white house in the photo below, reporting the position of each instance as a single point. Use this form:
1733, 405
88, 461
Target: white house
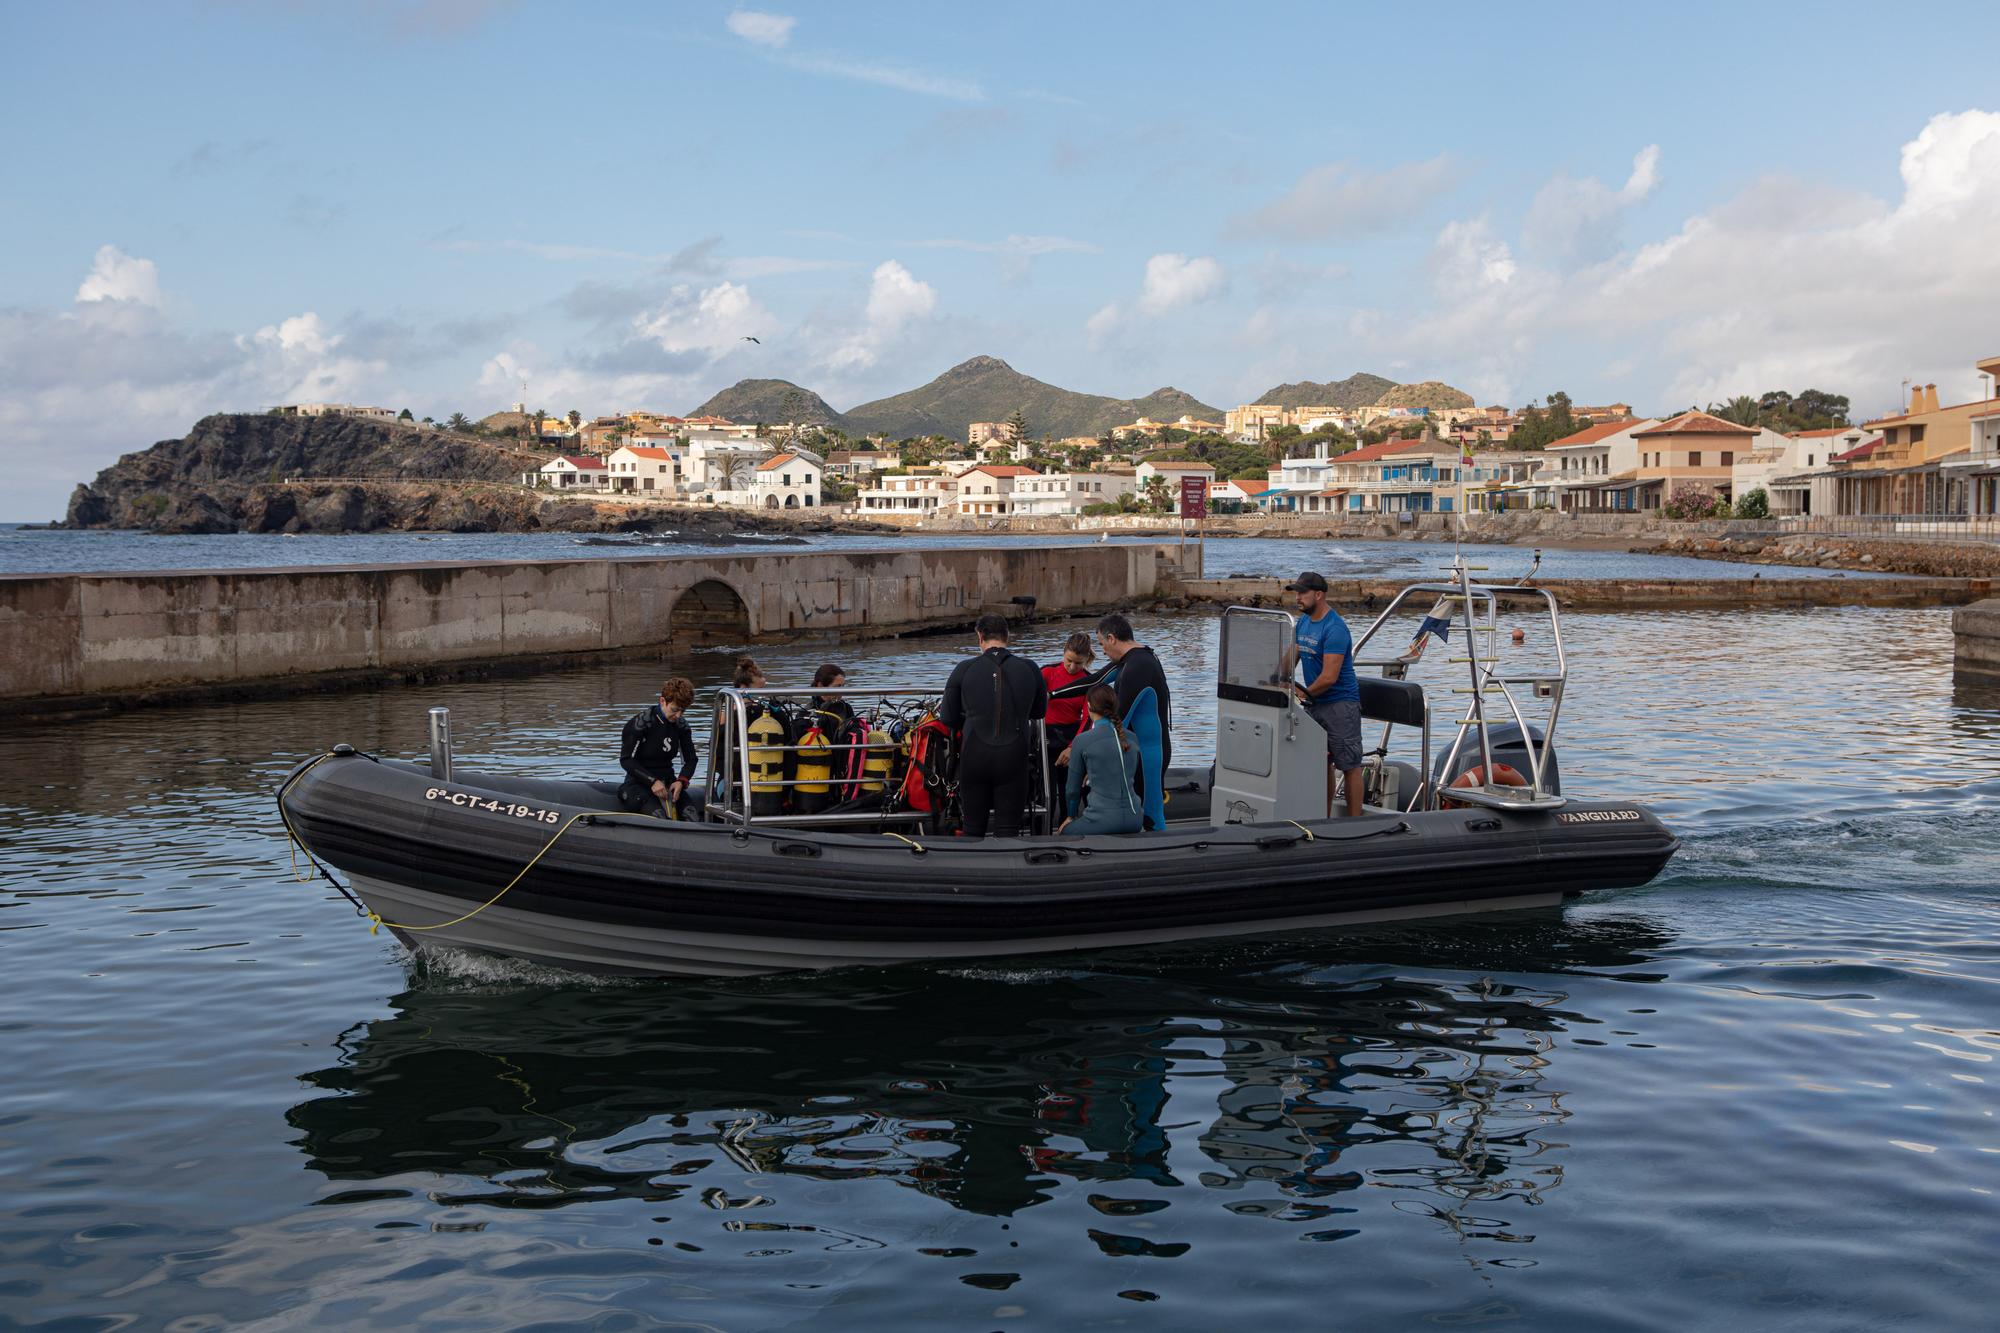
1785, 474
1597, 467
855, 464
1243, 494
1047, 494
643, 467
716, 465
1171, 474
988, 489
571, 472
922, 492
787, 481
334, 410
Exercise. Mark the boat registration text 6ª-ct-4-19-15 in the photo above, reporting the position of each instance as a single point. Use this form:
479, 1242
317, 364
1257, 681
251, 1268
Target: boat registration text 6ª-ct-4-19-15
473, 801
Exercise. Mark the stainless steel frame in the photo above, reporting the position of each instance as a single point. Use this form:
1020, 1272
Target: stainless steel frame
1481, 603
729, 760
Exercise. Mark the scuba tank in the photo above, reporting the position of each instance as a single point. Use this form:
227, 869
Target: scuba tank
815, 769
879, 764
767, 736
850, 760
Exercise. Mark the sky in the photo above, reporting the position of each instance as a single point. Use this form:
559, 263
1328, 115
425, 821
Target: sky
225, 205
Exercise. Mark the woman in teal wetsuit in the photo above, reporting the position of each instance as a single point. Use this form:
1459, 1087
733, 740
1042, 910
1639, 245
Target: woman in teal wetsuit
1106, 758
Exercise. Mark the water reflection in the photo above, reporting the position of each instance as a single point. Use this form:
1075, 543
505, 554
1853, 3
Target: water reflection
1282, 1090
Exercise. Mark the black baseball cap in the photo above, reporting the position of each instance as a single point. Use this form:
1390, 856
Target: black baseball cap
1307, 582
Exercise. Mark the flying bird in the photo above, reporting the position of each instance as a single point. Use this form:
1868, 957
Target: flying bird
748, 339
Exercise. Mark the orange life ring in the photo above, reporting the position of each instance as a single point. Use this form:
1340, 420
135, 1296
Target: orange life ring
1504, 775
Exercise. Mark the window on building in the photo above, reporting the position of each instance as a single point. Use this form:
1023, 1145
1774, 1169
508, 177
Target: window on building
1694, 458
1916, 435
1728, 457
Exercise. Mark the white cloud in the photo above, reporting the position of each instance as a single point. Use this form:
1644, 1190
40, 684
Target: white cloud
889, 76
712, 320
1100, 326
772, 30
1340, 200
1468, 256
697, 259
1572, 222
303, 361
769, 34
1174, 280
1024, 246
896, 299
111, 373
117, 276
1785, 285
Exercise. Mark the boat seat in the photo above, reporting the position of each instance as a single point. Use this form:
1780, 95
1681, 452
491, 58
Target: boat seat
1398, 701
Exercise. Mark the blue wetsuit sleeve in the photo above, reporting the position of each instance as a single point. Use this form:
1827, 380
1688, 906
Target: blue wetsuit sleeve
1073, 791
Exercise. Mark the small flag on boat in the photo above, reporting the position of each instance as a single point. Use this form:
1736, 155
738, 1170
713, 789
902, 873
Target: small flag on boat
1436, 625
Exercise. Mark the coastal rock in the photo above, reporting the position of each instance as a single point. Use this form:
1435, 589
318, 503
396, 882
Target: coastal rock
262, 473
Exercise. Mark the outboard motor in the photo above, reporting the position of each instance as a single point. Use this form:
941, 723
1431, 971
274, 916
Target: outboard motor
1508, 749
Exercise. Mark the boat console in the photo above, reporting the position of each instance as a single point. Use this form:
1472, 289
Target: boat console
1270, 753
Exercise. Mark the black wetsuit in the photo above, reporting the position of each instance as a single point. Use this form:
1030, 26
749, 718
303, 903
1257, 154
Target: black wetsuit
991, 700
1137, 670
647, 752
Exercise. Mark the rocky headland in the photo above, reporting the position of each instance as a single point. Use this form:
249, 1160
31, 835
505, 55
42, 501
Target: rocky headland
260, 473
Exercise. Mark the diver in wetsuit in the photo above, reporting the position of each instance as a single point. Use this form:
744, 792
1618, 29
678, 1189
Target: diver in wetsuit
991, 700
1137, 669
653, 741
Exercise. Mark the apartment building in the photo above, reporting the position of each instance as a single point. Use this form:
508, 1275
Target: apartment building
787, 481
988, 489
1052, 494
1692, 449
642, 468
917, 492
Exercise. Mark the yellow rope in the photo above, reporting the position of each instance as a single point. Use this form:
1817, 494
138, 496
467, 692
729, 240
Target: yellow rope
915, 846
292, 843
1302, 828
375, 921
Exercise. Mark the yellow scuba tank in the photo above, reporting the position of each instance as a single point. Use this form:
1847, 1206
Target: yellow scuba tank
881, 762
767, 765
815, 771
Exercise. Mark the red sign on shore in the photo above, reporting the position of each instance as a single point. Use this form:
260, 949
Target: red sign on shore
1194, 497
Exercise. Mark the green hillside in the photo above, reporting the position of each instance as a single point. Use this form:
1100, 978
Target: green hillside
1357, 390
774, 401
988, 389
1430, 393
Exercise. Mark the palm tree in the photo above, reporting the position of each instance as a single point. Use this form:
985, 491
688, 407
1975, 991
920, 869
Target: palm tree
1742, 409
458, 421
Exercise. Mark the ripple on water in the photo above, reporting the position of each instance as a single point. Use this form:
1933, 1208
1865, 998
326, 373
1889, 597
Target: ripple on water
1721, 1099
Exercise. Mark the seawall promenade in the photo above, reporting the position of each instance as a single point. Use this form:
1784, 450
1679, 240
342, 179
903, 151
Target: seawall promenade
1629, 594
80, 641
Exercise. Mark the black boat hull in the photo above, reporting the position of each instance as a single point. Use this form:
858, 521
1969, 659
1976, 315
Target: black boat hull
624, 894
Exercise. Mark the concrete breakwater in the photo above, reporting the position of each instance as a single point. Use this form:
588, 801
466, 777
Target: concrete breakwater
1633, 594
78, 641
1975, 634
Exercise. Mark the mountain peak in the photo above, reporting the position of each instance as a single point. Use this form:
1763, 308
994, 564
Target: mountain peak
985, 388
979, 365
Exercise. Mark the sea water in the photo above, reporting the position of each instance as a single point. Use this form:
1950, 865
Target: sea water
1758, 1093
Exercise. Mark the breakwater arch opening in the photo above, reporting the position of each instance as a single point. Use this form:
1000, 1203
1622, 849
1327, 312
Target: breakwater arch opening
709, 612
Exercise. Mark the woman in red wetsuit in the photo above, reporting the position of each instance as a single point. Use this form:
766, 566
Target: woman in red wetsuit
1068, 681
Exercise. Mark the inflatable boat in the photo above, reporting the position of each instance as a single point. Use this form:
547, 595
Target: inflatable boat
757, 878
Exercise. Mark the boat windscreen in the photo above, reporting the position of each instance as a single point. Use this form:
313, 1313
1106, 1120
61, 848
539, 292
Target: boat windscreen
1257, 651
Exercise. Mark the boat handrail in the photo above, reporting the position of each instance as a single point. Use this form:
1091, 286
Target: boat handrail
730, 744
1481, 604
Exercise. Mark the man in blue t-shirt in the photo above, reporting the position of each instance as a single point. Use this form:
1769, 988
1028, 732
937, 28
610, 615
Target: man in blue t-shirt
1327, 686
